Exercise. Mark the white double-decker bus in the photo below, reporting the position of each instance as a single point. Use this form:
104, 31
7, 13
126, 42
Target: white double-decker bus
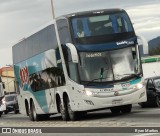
94, 64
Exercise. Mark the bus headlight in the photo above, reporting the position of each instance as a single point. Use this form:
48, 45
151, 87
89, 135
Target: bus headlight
88, 93
139, 86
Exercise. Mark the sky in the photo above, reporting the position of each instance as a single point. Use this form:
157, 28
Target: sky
19, 18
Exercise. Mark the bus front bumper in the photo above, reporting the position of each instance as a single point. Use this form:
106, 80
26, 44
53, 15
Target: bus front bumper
107, 100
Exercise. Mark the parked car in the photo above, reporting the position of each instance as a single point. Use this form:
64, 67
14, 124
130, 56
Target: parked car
2, 105
11, 103
153, 92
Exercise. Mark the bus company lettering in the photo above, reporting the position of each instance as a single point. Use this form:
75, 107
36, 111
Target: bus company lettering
125, 42
91, 55
106, 90
24, 75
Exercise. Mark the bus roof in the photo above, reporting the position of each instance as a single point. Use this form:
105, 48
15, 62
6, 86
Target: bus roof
91, 12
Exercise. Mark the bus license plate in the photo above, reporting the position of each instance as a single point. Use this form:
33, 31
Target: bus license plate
117, 102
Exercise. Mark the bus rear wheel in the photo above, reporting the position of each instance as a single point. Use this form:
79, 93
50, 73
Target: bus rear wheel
32, 113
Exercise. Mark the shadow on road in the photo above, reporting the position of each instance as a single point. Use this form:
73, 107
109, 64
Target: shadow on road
137, 112
106, 114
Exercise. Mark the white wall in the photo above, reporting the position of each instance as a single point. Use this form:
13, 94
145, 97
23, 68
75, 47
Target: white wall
9, 84
151, 69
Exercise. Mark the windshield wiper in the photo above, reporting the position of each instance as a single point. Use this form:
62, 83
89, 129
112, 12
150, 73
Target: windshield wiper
131, 74
94, 80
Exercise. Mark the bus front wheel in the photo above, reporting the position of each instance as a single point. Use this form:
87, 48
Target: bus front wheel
72, 114
64, 111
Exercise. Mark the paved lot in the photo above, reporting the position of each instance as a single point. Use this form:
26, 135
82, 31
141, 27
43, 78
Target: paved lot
99, 122
139, 117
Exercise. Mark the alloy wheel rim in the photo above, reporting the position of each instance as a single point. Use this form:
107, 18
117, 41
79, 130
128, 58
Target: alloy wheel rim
69, 110
34, 113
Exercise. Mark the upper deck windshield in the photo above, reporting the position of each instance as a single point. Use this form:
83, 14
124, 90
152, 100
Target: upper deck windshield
101, 25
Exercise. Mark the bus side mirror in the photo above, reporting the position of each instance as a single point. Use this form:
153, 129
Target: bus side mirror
144, 44
73, 50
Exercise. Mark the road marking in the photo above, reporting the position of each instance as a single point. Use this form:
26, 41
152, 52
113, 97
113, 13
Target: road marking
143, 124
146, 134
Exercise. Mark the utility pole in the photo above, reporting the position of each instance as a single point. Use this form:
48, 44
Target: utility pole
58, 39
53, 14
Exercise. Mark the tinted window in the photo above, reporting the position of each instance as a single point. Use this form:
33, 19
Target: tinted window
10, 98
37, 43
63, 30
157, 83
48, 78
101, 25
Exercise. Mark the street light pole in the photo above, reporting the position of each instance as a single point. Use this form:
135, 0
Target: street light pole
53, 14
58, 40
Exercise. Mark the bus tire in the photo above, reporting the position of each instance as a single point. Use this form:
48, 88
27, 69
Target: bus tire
27, 107
46, 117
126, 108
82, 114
72, 114
32, 113
64, 111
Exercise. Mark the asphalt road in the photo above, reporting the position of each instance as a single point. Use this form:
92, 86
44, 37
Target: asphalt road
142, 120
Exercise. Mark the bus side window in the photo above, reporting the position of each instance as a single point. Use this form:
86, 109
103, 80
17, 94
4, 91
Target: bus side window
56, 76
63, 30
59, 74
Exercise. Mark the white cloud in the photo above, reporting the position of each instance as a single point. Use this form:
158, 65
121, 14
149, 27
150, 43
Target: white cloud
6, 57
146, 19
20, 17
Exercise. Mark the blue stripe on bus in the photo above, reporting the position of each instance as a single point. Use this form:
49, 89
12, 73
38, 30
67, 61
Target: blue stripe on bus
135, 81
34, 65
104, 46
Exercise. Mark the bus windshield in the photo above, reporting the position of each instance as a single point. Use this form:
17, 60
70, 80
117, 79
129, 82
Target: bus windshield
99, 25
116, 65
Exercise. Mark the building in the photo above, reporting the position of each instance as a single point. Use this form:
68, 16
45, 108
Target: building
7, 75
